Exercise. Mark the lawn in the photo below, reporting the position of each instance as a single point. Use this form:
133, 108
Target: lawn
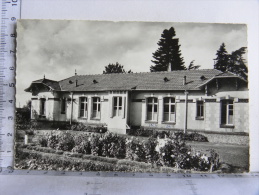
236, 155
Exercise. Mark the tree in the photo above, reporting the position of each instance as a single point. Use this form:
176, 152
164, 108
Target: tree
27, 106
237, 63
233, 62
222, 59
192, 66
115, 68
168, 53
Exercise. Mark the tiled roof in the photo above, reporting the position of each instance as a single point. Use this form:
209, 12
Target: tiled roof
136, 81
54, 85
139, 81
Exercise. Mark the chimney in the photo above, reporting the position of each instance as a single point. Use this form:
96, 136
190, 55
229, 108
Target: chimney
75, 72
76, 83
169, 69
184, 80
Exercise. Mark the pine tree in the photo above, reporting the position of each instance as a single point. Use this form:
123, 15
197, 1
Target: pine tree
168, 53
222, 59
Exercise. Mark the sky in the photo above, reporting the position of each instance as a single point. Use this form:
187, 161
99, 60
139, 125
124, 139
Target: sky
55, 48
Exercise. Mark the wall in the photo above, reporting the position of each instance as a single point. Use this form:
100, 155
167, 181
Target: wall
135, 108
212, 106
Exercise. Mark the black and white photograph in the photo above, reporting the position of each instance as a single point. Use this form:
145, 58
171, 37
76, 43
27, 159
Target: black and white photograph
158, 97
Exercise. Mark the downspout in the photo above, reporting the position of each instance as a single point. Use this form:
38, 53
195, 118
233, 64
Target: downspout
186, 111
71, 113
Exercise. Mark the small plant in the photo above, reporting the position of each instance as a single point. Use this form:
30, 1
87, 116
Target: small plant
29, 132
43, 141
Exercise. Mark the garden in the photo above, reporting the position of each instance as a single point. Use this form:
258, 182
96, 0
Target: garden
91, 151
85, 148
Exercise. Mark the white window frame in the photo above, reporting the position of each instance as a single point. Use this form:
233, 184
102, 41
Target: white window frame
84, 101
116, 107
225, 104
153, 103
98, 107
200, 109
170, 103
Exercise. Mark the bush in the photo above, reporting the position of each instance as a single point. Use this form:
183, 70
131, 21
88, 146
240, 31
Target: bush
65, 142
169, 151
86, 128
82, 144
113, 145
135, 150
43, 141
140, 132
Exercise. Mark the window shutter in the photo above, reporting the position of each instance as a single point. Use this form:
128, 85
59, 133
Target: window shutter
123, 106
111, 106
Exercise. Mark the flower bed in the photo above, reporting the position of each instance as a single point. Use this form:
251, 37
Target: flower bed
170, 151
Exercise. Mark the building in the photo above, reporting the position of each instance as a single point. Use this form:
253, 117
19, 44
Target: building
203, 100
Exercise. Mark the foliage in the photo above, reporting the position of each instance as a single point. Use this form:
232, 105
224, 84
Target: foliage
162, 134
65, 142
135, 150
192, 66
113, 145
82, 145
140, 132
86, 128
222, 58
233, 62
237, 63
43, 141
167, 149
115, 68
168, 53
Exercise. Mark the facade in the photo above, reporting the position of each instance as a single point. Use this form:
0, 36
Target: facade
202, 100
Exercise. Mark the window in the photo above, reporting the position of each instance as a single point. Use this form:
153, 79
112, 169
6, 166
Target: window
96, 114
227, 110
63, 106
117, 106
83, 107
169, 109
152, 109
43, 107
200, 110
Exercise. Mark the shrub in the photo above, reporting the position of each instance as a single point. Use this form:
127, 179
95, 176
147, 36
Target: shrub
86, 128
140, 132
113, 145
82, 144
53, 140
65, 142
135, 150
170, 151
95, 144
43, 141
150, 153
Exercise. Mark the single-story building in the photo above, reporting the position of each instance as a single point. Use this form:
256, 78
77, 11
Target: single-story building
203, 100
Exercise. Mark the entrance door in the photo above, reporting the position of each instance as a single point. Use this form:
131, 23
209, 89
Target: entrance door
117, 122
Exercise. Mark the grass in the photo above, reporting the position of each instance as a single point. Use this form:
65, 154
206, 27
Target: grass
235, 155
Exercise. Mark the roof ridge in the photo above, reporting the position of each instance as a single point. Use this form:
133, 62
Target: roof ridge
157, 72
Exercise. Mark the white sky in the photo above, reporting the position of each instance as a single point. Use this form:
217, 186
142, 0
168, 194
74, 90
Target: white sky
57, 47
